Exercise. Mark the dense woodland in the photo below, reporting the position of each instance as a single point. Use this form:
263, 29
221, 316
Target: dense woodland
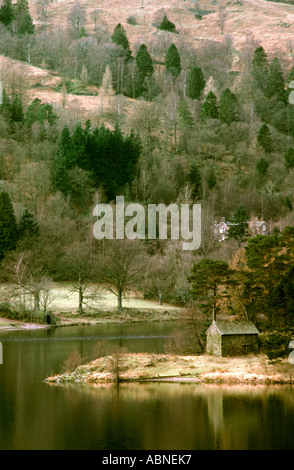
211, 125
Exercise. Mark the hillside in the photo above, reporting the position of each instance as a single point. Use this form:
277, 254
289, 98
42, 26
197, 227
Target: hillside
272, 24
266, 23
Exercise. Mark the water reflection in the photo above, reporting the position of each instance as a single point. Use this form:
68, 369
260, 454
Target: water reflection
184, 416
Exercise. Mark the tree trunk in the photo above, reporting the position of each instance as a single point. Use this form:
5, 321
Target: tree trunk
119, 300
81, 299
37, 300
160, 298
214, 304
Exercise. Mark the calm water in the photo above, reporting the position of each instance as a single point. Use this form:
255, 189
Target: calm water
34, 415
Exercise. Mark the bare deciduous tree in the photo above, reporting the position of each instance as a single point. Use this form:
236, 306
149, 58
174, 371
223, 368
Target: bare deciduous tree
123, 267
76, 19
222, 17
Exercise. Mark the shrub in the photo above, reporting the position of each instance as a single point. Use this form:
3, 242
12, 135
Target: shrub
6, 311
275, 344
132, 20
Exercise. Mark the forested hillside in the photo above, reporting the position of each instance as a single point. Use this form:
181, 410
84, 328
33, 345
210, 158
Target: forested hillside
178, 103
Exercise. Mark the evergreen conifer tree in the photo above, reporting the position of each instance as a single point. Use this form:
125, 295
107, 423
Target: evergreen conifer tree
26, 25
16, 110
260, 68
196, 83
209, 109
167, 25
229, 107
144, 70
195, 181
289, 157
276, 83
8, 225
173, 61
28, 228
239, 221
288, 203
6, 12
264, 139
262, 166
119, 37
62, 162
144, 62
6, 105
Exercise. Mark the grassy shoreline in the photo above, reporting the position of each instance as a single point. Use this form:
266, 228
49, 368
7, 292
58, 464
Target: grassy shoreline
104, 317
164, 367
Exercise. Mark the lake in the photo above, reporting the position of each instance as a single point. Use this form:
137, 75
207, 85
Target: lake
153, 416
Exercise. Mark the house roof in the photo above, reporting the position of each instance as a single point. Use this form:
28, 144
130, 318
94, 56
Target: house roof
226, 327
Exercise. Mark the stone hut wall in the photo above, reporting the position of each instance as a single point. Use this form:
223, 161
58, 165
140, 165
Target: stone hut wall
213, 342
238, 345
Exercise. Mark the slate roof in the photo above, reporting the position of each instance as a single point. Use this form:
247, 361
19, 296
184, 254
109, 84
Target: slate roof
236, 327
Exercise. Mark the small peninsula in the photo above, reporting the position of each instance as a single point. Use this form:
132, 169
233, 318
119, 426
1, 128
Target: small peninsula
255, 369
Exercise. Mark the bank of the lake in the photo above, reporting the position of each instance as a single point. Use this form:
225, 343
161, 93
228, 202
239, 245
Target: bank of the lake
63, 319
161, 367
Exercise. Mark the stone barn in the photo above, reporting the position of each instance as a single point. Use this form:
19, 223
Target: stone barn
232, 338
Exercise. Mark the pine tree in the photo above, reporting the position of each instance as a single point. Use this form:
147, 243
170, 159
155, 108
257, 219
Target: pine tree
167, 25
289, 157
262, 167
6, 12
195, 181
8, 225
173, 61
288, 203
119, 37
264, 139
239, 221
28, 228
276, 83
196, 83
38, 112
143, 71
16, 110
209, 109
62, 162
6, 105
282, 299
144, 62
260, 68
206, 279
26, 25
229, 107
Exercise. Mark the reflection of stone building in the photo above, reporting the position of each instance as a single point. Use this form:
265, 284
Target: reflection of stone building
255, 226
231, 338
